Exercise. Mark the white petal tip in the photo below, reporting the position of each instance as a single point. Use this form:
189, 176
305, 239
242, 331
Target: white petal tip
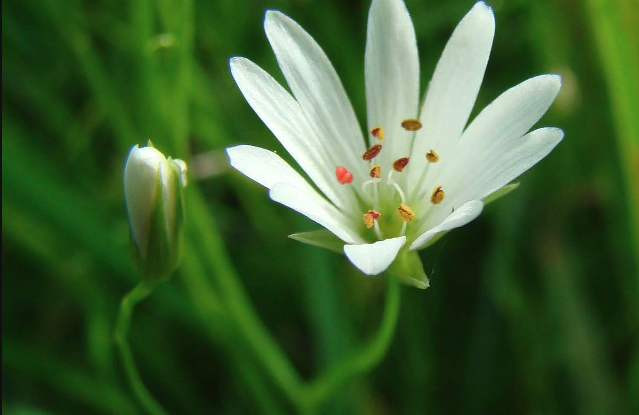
550, 81
483, 7
373, 259
273, 15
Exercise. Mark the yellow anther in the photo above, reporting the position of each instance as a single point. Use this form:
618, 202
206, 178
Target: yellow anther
378, 132
411, 124
376, 171
400, 164
432, 156
370, 217
406, 213
372, 152
437, 196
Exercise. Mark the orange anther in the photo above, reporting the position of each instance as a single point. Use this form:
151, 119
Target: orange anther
432, 156
378, 132
370, 217
400, 164
437, 196
411, 124
376, 172
406, 213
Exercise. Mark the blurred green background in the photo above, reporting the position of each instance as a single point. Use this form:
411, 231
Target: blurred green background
533, 308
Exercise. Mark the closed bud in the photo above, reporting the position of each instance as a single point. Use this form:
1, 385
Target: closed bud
153, 189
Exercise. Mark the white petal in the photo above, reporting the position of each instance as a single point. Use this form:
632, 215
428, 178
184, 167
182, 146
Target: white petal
494, 133
486, 174
284, 117
264, 166
373, 259
307, 202
512, 114
392, 75
289, 188
460, 217
454, 87
318, 90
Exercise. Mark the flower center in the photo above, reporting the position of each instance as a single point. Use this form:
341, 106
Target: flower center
403, 211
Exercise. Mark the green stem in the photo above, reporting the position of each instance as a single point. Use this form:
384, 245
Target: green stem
136, 295
360, 360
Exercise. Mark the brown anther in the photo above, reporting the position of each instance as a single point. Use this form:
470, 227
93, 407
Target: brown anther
432, 156
400, 164
406, 213
370, 217
437, 196
372, 152
376, 171
378, 132
411, 124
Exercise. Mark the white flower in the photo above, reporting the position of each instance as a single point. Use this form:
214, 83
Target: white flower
433, 171
155, 203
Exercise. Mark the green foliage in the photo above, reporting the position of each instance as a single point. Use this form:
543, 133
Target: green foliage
532, 309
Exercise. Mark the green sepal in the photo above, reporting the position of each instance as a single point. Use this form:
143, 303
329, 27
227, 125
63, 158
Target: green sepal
178, 232
321, 238
408, 268
500, 193
157, 263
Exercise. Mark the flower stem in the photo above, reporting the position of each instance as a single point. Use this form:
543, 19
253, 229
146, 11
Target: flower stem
360, 360
136, 295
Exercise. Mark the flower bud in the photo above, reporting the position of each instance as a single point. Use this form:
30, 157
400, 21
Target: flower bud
153, 189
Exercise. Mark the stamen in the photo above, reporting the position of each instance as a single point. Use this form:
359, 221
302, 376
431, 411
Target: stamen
400, 164
406, 213
372, 152
375, 193
399, 190
411, 124
378, 132
393, 183
343, 175
437, 196
432, 156
370, 217
376, 171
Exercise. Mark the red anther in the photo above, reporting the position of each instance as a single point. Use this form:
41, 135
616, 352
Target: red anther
343, 175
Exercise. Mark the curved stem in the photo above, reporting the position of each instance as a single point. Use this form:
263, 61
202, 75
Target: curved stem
362, 359
137, 294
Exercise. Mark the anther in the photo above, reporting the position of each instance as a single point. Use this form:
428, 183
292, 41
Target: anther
376, 171
437, 196
400, 164
370, 217
411, 124
406, 213
432, 156
372, 152
343, 175
378, 132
